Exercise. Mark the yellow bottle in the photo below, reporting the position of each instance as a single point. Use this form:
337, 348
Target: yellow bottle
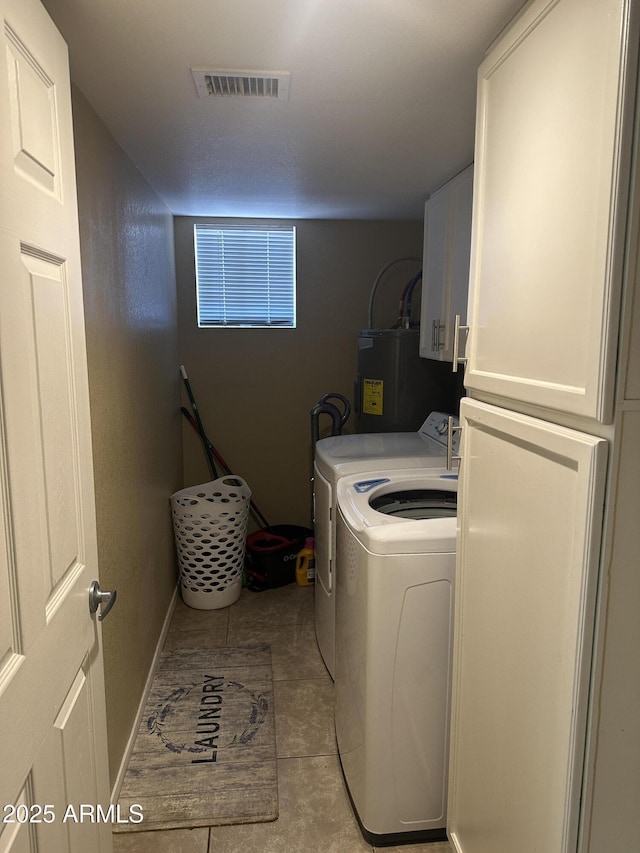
306, 564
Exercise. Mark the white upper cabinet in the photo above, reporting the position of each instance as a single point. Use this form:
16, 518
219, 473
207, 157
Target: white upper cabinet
445, 266
554, 117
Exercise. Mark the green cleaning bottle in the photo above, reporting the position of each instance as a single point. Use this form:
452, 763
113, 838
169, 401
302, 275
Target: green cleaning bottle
306, 564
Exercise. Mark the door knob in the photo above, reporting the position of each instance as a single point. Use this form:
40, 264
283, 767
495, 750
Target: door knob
98, 598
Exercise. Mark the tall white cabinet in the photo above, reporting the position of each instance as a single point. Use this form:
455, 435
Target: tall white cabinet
531, 507
534, 738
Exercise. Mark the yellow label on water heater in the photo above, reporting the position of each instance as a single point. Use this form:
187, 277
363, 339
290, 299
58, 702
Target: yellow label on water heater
372, 396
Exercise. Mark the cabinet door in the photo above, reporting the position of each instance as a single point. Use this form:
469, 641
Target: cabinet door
552, 159
434, 276
445, 279
457, 292
530, 508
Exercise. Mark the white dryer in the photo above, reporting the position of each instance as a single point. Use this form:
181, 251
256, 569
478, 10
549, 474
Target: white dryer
338, 457
396, 540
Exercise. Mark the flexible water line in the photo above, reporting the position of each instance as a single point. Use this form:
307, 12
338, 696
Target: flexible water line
377, 282
408, 297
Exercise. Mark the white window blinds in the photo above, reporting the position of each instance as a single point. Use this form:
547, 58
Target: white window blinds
245, 275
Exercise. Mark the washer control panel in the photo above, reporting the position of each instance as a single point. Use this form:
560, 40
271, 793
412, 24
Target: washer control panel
436, 427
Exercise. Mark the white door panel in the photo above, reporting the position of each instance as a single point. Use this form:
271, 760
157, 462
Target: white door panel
64, 768
530, 510
553, 128
53, 736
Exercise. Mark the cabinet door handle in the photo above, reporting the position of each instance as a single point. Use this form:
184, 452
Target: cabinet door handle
451, 458
457, 328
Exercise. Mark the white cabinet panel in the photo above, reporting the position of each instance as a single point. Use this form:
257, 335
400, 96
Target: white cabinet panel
434, 272
530, 517
614, 813
325, 545
445, 273
552, 148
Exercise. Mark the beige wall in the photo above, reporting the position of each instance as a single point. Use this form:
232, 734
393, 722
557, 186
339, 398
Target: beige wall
126, 237
255, 387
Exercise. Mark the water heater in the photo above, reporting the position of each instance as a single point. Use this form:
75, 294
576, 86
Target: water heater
396, 388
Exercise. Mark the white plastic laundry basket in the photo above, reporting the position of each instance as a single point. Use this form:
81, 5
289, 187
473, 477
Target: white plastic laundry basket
210, 527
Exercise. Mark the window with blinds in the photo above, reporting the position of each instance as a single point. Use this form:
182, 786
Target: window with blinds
245, 276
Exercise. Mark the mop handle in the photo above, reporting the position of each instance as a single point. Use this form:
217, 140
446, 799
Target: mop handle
205, 441
259, 517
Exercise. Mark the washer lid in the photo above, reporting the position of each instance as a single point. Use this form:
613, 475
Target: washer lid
342, 455
361, 496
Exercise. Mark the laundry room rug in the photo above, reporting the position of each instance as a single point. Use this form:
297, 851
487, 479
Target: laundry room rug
205, 751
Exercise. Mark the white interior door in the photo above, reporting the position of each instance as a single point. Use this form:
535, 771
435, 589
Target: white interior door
53, 734
530, 507
555, 113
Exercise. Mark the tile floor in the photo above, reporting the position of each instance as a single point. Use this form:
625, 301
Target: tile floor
315, 814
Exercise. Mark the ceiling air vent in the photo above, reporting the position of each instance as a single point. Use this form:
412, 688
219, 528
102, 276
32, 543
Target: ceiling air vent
241, 84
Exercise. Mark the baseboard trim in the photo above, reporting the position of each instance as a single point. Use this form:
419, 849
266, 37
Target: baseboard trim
115, 793
453, 841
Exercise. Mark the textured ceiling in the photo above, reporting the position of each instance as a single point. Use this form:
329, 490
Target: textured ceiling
380, 110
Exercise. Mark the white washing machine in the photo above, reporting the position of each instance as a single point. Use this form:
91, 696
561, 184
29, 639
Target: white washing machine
396, 541
349, 454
